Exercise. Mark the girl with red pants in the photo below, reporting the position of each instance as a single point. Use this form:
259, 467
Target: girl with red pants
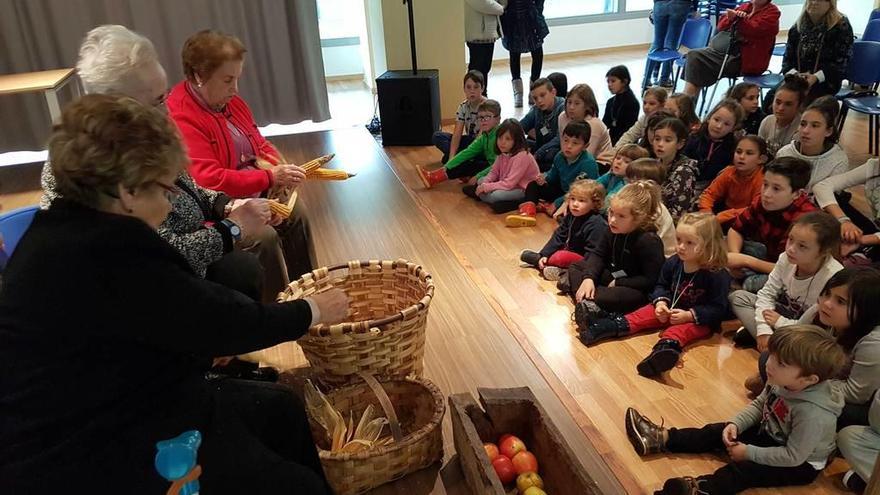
690, 298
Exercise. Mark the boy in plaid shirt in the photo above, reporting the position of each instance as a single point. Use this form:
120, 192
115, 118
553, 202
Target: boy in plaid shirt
758, 234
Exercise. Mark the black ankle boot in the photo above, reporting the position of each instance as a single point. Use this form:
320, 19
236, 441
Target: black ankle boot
663, 357
587, 311
604, 328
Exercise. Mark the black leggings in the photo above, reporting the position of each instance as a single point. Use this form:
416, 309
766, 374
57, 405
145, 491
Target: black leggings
537, 65
612, 299
480, 59
240, 271
736, 476
547, 192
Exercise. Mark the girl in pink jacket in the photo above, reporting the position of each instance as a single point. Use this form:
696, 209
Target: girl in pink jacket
505, 186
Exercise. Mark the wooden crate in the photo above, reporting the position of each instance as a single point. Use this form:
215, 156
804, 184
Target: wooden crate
518, 412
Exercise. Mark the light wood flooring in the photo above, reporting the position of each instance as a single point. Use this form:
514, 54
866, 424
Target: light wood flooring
494, 323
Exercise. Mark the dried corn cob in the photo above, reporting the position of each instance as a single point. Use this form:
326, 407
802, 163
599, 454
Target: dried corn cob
328, 174
279, 209
317, 162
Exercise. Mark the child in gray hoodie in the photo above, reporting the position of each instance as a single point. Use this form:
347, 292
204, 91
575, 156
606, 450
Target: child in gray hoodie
784, 437
860, 446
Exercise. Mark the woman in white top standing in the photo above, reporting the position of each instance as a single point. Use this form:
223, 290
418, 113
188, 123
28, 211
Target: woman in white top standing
481, 29
817, 141
859, 233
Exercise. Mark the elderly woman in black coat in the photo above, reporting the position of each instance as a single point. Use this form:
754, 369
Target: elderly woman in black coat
106, 331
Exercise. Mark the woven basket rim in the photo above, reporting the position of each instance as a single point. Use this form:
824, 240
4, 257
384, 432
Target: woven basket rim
349, 327
410, 439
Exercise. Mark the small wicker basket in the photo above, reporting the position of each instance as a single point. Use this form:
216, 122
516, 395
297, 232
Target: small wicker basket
419, 407
385, 335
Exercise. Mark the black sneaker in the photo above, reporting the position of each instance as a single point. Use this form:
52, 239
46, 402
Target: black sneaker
645, 436
529, 257
604, 329
742, 338
663, 357
681, 486
854, 482
563, 285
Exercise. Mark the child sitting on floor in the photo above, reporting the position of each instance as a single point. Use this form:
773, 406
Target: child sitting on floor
781, 127
623, 269
651, 169
816, 142
476, 159
614, 179
579, 233
682, 106
466, 125
581, 106
712, 146
504, 187
669, 138
547, 192
747, 95
795, 282
688, 303
784, 437
543, 121
739, 184
622, 109
652, 100
758, 234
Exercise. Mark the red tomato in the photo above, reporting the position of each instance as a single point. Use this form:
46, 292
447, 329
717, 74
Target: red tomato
525, 462
504, 469
491, 451
511, 445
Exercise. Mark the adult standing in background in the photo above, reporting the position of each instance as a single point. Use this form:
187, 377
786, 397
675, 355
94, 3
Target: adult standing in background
481, 29
523, 29
669, 17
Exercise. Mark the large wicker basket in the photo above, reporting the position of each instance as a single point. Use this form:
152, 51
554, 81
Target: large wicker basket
385, 332
419, 406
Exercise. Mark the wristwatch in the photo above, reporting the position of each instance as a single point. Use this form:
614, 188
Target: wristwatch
234, 229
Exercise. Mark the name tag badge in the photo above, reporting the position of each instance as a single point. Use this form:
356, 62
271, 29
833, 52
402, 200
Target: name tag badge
545, 130
618, 274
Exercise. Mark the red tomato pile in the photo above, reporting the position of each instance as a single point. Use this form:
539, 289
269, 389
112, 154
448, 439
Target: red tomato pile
512, 461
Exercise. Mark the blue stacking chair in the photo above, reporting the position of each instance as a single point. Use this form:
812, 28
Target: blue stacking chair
872, 31
13, 225
875, 14
864, 69
695, 34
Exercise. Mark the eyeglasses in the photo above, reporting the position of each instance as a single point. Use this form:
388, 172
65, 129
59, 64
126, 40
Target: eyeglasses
159, 101
171, 191
484, 118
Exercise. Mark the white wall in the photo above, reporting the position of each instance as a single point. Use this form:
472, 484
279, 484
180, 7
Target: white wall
342, 61
858, 12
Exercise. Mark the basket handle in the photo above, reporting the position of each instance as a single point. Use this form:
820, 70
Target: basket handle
385, 402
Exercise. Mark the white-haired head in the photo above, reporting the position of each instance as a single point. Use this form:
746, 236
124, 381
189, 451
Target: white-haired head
114, 59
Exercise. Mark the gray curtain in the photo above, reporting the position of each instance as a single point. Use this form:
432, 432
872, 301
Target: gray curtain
283, 79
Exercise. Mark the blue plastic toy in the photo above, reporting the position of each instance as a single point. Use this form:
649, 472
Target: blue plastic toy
176, 462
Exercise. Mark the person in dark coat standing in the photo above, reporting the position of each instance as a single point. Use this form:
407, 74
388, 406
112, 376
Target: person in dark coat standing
523, 29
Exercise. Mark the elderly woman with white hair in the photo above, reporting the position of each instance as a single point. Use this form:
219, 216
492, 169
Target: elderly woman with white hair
226, 241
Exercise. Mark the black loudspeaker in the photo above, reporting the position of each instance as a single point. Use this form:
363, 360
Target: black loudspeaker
409, 106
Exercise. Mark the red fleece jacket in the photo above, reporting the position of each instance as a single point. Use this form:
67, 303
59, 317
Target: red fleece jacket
213, 163
758, 34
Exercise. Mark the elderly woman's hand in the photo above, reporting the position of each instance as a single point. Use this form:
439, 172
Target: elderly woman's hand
288, 175
250, 215
333, 305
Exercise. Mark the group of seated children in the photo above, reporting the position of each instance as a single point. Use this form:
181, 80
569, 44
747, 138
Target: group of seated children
694, 223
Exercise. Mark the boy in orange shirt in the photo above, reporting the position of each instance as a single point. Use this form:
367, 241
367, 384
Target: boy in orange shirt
737, 185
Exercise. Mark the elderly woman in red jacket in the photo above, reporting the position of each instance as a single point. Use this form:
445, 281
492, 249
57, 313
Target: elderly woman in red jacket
223, 141
755, 25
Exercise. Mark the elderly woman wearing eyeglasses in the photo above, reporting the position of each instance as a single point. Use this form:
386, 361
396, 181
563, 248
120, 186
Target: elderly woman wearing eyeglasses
106, 331
223, 142
202, 223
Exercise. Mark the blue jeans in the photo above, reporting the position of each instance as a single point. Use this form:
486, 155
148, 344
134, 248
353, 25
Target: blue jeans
669, 18
501, 195
443, 141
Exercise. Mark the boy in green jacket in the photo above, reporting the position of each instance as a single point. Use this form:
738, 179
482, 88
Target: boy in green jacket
476, 159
